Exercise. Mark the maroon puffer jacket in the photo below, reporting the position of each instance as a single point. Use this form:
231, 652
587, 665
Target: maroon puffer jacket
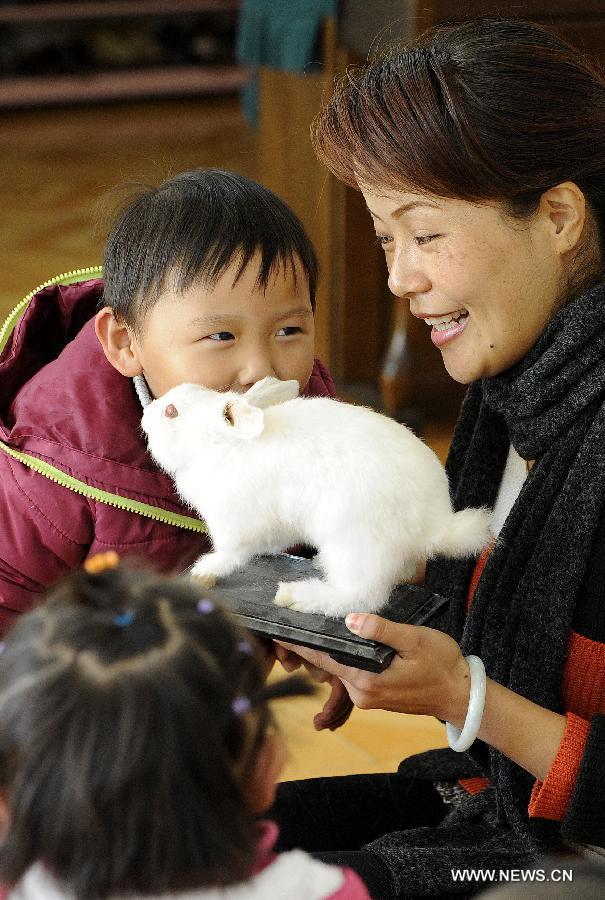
62, 402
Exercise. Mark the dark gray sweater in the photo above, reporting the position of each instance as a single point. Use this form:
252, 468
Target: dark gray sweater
544, 582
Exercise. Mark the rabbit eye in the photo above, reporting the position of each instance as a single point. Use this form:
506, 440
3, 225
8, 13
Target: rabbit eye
171, 412
228, 414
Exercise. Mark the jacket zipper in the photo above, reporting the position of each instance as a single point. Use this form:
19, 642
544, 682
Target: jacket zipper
66, 278
58, 475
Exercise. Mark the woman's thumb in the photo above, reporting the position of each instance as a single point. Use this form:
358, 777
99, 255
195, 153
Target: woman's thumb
375, 628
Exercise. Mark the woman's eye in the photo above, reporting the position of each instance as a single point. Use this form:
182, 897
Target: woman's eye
383, 239
422, 239
221, 336
288, 330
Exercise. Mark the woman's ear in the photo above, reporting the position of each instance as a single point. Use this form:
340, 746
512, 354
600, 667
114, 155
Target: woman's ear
565, 207
116, 339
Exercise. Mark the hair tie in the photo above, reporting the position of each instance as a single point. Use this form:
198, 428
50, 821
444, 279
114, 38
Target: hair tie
205, 606
244, 647
241, 705
123, 620
101, 561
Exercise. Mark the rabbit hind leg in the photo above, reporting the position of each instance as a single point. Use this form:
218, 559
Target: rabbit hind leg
316, 596
347, 587
311, 596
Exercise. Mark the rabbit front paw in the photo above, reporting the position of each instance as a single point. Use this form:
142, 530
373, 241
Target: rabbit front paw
218, 564
204, 571
206, 581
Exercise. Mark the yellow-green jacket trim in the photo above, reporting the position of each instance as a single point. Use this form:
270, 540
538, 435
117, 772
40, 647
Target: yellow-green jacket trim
58, 475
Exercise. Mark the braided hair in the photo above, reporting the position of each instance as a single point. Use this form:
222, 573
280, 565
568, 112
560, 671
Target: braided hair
131, 713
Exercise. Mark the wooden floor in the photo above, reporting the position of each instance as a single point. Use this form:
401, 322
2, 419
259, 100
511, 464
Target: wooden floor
55, 166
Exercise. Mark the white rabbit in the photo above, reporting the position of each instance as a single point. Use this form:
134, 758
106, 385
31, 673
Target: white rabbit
269, 469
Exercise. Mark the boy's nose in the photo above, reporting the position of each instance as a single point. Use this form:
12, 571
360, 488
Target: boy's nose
255, 369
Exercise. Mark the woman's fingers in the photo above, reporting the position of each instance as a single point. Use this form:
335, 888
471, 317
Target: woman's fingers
319, 660
289, 660
336, 709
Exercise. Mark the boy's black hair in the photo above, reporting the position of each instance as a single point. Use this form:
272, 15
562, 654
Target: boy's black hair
125, 737
193, 227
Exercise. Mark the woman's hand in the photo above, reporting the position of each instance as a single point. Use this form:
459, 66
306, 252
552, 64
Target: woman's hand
338, 707
428, 674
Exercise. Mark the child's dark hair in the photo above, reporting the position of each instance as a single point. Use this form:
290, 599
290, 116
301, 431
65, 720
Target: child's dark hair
193, 227
131, 713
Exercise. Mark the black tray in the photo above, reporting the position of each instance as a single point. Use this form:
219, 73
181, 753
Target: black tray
249, 595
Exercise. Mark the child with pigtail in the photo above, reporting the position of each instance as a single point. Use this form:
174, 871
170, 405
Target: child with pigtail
137, 750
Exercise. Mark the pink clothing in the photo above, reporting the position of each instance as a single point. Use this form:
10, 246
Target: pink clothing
286, 876
63, 403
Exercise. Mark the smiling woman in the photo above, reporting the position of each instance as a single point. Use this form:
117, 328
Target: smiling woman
465, 268
480, 152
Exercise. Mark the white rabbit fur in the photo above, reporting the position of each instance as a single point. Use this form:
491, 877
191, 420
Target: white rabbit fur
269, 469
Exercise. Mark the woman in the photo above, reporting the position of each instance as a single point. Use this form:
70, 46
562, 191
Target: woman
480, 152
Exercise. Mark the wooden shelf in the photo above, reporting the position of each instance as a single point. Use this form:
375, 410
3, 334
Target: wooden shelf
18, 91
26, 13
123, 85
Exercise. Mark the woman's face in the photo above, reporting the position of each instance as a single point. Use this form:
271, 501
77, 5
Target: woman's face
485, 283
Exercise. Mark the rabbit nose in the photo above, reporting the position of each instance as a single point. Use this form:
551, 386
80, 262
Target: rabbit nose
171, 412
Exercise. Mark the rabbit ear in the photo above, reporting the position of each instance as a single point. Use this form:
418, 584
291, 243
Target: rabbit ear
271, 391
244, 421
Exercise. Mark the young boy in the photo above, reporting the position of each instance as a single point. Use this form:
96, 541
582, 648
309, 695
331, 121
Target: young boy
209, 278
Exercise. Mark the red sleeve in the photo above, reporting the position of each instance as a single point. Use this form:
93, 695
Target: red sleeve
550, 798
352, 888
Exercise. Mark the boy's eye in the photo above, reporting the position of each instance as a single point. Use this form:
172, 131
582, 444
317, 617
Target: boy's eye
221, 336
287, 330
422, 239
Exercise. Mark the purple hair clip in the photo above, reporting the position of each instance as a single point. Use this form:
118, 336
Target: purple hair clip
241, 705
205, 606
123, 620
244, 647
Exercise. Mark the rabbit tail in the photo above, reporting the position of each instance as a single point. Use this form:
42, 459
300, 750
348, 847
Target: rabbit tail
466, 533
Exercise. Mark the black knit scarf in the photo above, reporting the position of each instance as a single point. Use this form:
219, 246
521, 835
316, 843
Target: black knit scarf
551, 407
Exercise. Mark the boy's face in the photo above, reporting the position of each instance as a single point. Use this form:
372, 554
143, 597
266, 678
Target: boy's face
229, 336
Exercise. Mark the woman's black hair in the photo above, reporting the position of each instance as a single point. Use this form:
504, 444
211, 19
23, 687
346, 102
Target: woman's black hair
131, 713
488, 109
193, 227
